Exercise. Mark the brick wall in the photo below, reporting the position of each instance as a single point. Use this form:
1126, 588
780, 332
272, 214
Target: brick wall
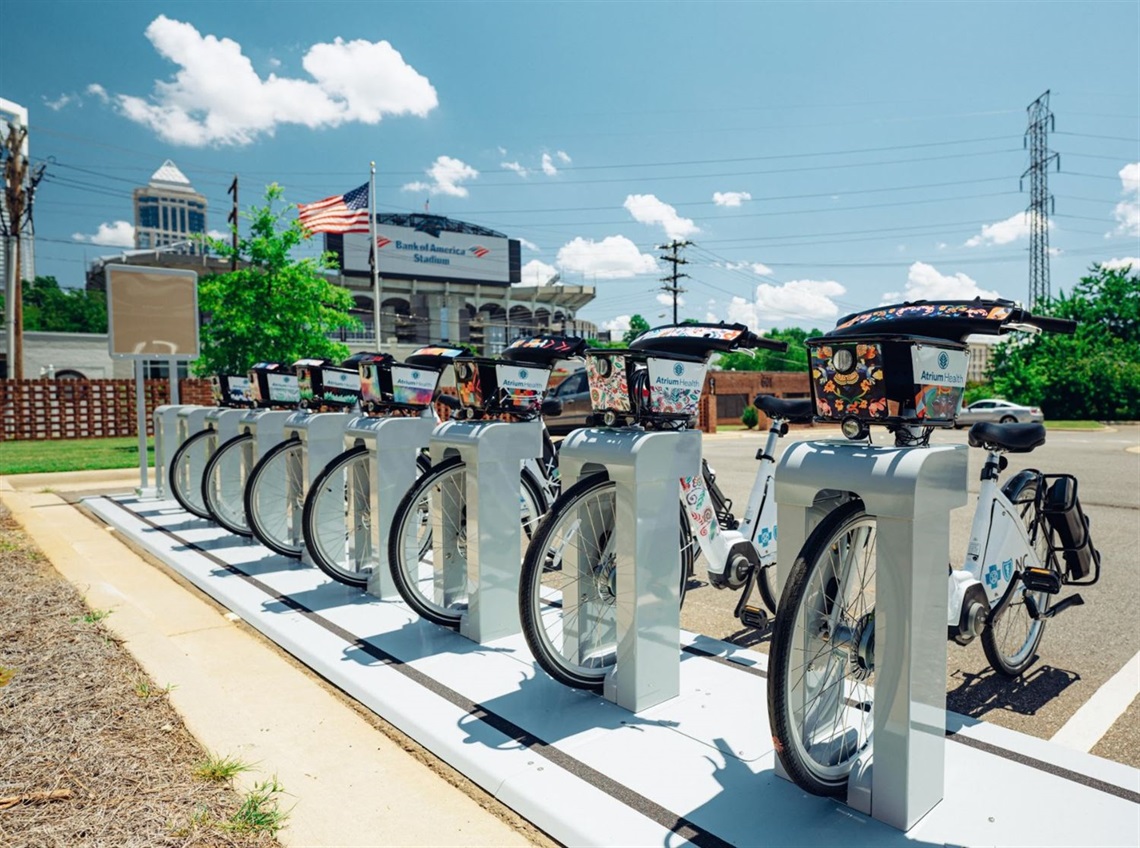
84, 409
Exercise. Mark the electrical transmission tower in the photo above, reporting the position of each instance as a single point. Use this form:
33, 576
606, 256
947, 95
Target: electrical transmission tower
672, 279
1040, 201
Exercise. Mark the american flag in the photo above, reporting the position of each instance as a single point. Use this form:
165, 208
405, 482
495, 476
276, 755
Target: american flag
341, 213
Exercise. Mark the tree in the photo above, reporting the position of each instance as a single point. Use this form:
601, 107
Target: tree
275, 310
793, 359
49, 308
637, 326
1094, 373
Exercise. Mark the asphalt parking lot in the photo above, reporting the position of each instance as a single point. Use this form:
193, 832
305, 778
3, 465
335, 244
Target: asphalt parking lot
1082, 648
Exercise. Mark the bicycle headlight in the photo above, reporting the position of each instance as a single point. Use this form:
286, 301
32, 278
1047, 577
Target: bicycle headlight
604, 367
853, 428
843, 360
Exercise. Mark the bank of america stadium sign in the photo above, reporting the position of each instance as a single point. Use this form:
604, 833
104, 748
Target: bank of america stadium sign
430, 253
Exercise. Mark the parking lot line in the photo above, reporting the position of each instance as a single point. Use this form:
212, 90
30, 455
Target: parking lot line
1097, 715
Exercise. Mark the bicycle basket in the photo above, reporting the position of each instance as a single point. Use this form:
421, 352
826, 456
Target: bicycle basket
323, 384
231, 390
652, 389
410, 385
493, 387
885, 379
273, 385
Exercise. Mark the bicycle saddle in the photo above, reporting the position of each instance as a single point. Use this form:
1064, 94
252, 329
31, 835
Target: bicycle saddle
797, 409
700, 340
951, 320
1015, 438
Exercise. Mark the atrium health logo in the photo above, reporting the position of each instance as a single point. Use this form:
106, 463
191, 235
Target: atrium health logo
944, 360
678, 369
522, 374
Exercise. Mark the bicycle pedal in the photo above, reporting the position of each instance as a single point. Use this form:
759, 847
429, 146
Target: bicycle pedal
1041, 580
754, 617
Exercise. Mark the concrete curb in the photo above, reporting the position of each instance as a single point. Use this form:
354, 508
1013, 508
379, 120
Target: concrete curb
349, 783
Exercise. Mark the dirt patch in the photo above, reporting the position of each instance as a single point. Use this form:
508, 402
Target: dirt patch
91, 751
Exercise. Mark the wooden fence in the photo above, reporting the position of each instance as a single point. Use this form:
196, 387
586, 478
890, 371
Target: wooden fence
83, 409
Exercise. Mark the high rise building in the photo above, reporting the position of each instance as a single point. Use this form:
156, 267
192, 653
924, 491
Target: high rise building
168, 211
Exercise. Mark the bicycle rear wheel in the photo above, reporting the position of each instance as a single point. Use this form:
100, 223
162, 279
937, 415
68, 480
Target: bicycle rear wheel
186, 468
822, 664
436, 593
568, 587
274, 499
223, 483
1011, 635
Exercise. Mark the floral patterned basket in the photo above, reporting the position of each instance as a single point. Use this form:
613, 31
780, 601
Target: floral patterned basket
654, 390
273, 385
885, 379
409, 386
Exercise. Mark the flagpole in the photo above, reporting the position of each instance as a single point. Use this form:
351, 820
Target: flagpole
375, 258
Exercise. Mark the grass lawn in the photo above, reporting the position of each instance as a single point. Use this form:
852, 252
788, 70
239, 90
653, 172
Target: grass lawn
71, 455
1073, 425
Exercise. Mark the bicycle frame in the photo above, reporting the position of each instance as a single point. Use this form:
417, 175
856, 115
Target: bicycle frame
999, 550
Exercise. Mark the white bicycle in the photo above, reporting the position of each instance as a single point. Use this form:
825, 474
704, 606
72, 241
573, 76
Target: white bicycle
630, 388
1029, 538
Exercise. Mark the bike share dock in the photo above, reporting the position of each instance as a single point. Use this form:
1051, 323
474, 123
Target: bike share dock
696, 768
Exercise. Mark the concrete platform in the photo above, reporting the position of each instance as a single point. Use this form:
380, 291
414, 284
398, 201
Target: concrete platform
698, 768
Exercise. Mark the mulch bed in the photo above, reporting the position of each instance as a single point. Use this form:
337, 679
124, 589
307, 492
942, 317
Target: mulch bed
91, 751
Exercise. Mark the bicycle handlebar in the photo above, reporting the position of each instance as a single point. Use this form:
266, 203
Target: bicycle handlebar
751, 340
1053, 325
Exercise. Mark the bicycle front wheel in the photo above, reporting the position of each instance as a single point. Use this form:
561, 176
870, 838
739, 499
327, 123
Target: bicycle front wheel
186, 468
1011, 635
223, 483
273, 499
439, 589
337, 520
568, 587
822, 663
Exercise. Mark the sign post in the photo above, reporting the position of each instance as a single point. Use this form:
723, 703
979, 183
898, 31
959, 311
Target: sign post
152, 313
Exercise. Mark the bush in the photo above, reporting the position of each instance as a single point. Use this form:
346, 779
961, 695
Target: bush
750, 417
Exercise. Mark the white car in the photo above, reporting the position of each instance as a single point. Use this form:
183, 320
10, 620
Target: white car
1001, 411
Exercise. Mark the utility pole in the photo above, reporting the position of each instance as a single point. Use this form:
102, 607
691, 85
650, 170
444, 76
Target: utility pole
233, 219
1040, 201
15, 202
672, 279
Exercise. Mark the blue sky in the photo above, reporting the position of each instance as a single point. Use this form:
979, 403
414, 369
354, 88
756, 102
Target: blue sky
822, 157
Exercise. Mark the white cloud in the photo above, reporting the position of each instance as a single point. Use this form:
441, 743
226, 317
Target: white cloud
536, 273
924, 282
1014, 227
730, 198
563, 157
647, 209
666, 299
1122, 263
59, 102
806, 301
612, 258
216, 97
617, 324
446, 174
115, 234
757, 268
1127, 211
98, 91
548, 167
516, 167
529, 245
218, 234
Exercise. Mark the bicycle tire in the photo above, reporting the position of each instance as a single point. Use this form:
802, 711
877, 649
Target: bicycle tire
186, 467
1011, 636
541, 593
410, 544
821, 665
221, 482
337, 518
274, 484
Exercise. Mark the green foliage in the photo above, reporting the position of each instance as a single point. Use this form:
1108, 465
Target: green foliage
220, 769
49, 308
601, 344
637, 326
1093, 374
793, 359
750, 417
276, 310
976, 391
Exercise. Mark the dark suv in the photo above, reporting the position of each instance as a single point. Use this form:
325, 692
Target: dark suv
574, 392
